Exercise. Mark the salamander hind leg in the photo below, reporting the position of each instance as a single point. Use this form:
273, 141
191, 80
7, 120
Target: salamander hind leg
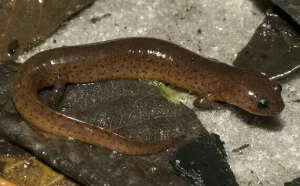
58, 90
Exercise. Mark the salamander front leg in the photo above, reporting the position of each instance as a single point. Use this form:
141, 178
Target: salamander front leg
58, 90
206, 102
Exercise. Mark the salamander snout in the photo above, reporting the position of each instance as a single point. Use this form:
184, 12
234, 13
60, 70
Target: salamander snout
263, 99
256, 94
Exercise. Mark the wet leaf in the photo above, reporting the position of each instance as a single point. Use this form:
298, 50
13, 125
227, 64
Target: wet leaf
292, 7
294, 182
203, 161
273, 49
26, 23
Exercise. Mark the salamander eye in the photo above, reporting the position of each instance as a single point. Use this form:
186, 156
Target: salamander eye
277, 87
262, 104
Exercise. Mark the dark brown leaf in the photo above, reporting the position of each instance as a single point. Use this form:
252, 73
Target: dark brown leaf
273, 49
292, 7
25, 23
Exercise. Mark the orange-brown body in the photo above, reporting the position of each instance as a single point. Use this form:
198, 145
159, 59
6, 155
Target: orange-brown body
133, 58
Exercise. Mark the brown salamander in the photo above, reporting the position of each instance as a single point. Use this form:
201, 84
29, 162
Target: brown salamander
134, 58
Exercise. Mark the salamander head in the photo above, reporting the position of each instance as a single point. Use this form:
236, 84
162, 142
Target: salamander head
256, 94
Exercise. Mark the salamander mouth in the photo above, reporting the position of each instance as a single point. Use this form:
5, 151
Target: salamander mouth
271, 111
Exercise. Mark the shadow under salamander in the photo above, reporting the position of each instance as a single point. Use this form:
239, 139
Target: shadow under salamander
272, 123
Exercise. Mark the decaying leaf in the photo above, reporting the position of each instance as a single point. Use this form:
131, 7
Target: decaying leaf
27, 170
25, 23
6, 182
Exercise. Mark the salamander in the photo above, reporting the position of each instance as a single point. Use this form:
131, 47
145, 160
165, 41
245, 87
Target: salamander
134, 58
